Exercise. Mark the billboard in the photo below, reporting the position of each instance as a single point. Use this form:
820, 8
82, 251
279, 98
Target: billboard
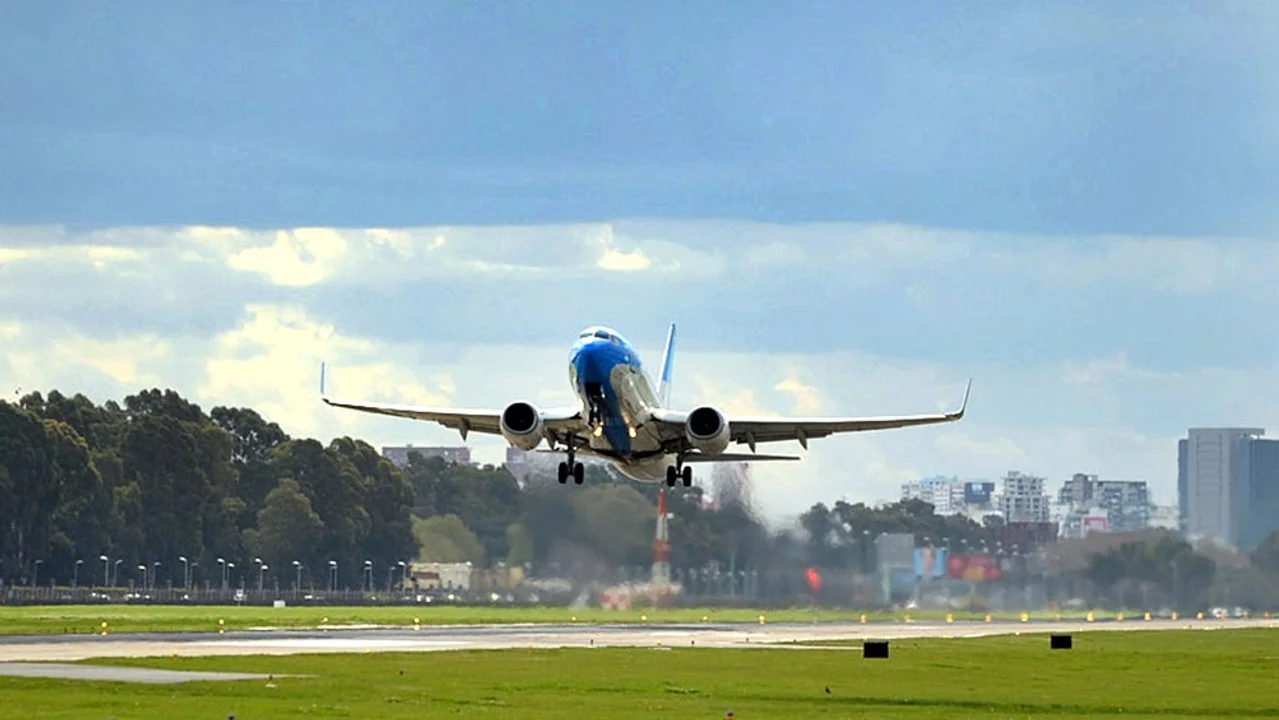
930, 563
974, 568
1095, 524
895, 548
978, 493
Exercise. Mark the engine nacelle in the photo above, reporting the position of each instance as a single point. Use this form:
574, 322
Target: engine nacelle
522, 425
707, 430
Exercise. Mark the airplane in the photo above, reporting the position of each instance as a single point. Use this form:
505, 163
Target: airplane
620, 418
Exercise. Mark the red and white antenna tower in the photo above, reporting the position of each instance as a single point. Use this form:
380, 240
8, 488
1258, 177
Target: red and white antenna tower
661, 547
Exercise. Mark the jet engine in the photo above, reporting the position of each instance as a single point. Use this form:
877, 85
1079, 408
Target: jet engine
707, 430
522, 425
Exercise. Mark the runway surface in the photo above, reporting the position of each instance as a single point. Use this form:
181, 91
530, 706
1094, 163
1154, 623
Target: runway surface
18, 653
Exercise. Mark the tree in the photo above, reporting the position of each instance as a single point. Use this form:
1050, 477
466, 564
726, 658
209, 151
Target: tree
445, 538
1265, 556
288, 528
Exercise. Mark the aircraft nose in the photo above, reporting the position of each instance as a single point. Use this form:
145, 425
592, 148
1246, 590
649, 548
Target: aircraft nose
586, 360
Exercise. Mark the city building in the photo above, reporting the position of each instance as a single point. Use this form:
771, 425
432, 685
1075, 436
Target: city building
1166, 517
1087, 504
1217, 471
1023, 499
399, 456
945, 494
1256, 492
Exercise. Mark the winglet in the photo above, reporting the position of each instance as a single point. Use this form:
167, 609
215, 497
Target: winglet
322, 397
964, 404
668, 357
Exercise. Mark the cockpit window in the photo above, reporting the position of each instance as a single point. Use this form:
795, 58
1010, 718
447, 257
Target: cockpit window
602, 334
615, 340
585, 334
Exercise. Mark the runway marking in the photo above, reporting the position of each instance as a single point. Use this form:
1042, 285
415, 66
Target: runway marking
104, 673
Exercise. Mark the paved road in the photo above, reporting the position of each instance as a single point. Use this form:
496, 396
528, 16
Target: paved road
63, 648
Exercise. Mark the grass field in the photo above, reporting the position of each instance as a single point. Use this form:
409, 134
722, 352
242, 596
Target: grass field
55, 619
1201, 674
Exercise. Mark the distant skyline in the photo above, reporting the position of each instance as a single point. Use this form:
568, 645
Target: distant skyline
848, 208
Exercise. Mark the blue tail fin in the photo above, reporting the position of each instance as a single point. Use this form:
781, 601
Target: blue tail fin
664, 382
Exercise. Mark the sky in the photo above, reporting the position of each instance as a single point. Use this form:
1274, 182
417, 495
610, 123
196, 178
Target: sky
848, 208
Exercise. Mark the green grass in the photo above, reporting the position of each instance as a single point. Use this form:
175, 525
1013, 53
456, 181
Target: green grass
1199, 674
56, 619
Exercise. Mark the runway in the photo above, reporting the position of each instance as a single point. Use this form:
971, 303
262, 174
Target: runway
66, 648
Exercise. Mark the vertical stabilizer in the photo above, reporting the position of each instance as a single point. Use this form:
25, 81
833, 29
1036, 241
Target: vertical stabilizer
664, 382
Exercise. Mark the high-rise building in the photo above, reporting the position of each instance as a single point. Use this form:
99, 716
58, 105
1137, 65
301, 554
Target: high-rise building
1256, 492
1208, 484
1078, 490
945, 494
1023, 499
399, 456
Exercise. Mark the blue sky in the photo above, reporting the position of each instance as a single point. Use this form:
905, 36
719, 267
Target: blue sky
1072, 202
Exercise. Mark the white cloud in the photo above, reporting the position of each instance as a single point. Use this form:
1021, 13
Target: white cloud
305, 256
271, 362
807, 397
1086, 409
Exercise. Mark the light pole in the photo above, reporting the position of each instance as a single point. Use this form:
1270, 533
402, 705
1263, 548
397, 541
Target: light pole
35, 576
333, 575
155, 571
222, 562
262, 574
106, 570
186, 572
297, 586
368, 572
75, 577
143, 570
404, 571
231, 566
115, 572
258, 562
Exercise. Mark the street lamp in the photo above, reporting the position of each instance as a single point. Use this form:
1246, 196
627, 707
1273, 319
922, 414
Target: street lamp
186, 572
106, 570
222, 562
75, 577
404, 570
143, 569
155, 569
297, 587
261, 574
115, 572
333, 575
368, 572
35, 577
231, 566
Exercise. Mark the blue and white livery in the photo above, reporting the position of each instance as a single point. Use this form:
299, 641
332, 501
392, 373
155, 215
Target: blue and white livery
621, 418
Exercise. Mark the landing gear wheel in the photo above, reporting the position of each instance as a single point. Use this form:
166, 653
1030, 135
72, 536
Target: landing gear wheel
579, 473
671, 474
688, 476
562, 475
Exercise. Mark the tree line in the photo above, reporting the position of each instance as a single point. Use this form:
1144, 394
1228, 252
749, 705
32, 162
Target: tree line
155, 478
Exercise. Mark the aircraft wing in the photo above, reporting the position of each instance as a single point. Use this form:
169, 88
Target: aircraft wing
752, 430
464, 420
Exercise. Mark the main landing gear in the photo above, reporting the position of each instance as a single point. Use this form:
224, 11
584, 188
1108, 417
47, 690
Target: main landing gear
572, 467
674, 473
